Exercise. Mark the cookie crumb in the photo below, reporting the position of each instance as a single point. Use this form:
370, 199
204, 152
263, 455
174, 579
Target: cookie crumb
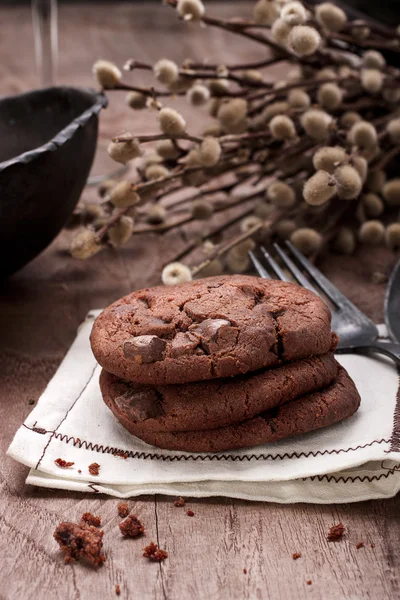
117, 590
336, 532
245, 571
123, 509
296, 555
372, 545
378, 277
79, 471
190, 513
30, 402
94, 469
80, 542
131, 527
153, 552
63, 464
360, 545
90, 519
179, 502
308, 582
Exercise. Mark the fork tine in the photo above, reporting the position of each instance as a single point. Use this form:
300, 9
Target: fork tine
328, 288
274, 265
295, 270
261, 270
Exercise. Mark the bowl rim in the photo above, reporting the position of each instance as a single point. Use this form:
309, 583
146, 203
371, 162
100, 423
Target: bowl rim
99, 101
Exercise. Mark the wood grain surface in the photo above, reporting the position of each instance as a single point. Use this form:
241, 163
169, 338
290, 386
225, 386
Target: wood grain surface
40, 309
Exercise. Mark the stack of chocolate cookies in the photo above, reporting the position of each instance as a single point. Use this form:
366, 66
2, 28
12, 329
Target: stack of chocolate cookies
221, 363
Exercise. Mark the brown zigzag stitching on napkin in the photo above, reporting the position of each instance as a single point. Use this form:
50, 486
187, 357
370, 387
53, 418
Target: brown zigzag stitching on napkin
330, 478
395, 439
351, 479
62, 437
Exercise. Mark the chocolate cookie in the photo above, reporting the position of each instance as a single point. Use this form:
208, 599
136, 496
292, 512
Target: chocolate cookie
210, 328
310, 412
215, 403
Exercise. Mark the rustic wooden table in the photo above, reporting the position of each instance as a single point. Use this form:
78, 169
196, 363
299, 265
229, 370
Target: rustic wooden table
40, 309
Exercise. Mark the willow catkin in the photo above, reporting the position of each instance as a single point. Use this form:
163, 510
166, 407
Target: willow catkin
372, 204
372, 233
372, 59
307, 240
391, 192
282, 127
198, 95
232, 114
124, 194
349, 118
330, 96
361, 166
249, 222
166, 71
171, 122
363, 134
319, 188
328, 158
265, 12
325, 73
348, 182
136, 100
330, 16
121, 232
167, 149
202, 210
280, 32
372, 80
299, 99
316, 123
237, 259
273, 109
281, 194
285, 227
304, 40
175, 273
392, 236
209, 152
190, 9
85, 244
293, 13
263, 209
344, 241
124, 151
156, 214
156, 171
393, 129
107, 74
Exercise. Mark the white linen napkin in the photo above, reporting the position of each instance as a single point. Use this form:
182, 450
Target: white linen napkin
354, 460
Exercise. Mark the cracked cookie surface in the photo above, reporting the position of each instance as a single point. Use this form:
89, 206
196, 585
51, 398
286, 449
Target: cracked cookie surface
210, 328
307, 413
215, 403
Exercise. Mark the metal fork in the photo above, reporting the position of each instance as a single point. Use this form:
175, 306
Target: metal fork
357, 333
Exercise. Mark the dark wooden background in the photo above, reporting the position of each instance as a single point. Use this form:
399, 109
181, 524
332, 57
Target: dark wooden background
40, 309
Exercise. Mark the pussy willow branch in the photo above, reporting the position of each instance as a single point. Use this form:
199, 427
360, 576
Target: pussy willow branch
224, 248
210, 234
159, 136
163, 227
186, 73
237, 66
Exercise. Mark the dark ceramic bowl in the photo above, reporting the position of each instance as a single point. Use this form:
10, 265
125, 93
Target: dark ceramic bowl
47, 145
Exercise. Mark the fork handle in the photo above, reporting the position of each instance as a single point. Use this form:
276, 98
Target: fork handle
390, 349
